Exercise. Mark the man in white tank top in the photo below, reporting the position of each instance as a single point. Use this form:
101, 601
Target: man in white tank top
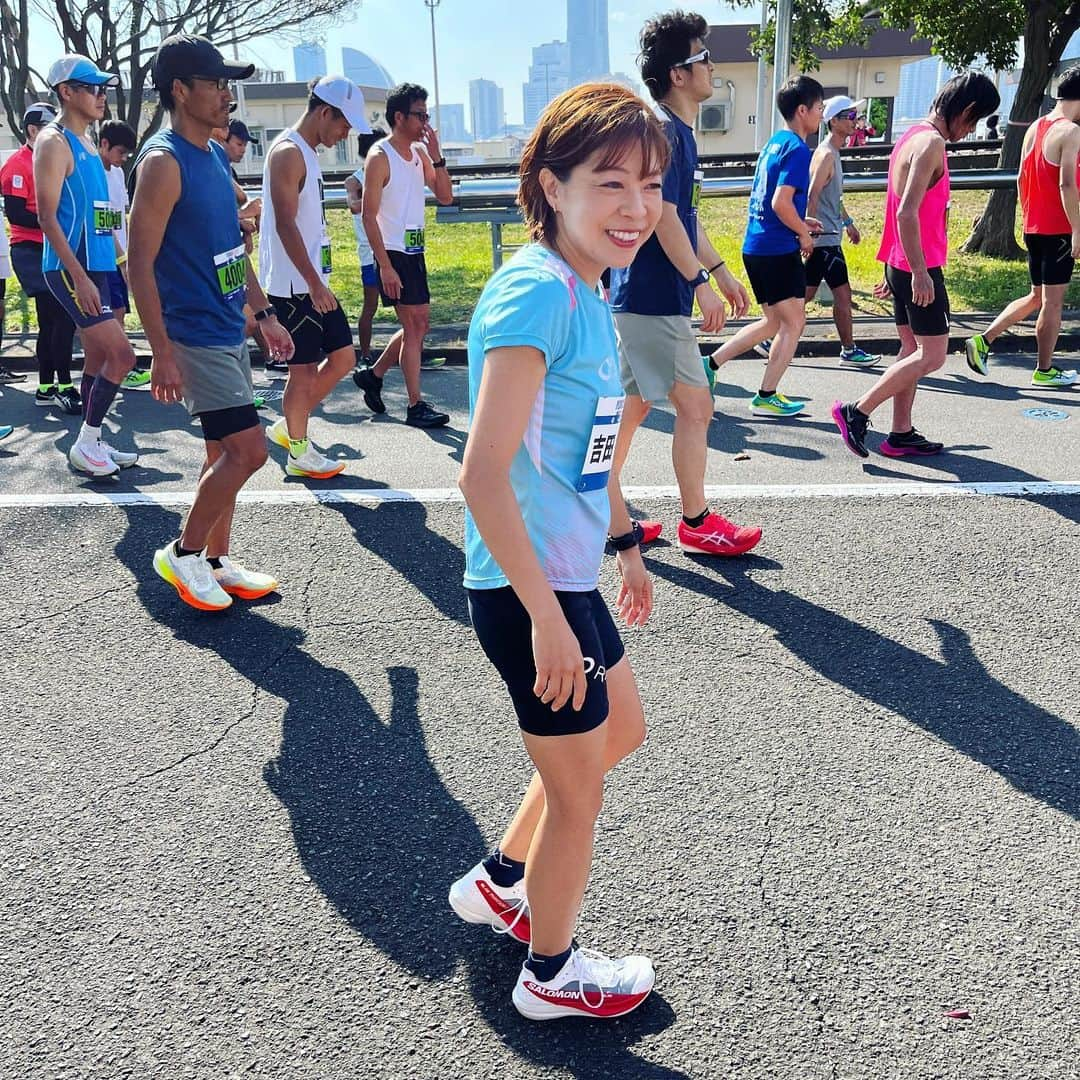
295, 263
396, 172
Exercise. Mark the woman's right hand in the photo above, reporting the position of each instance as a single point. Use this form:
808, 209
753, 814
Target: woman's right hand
560, 666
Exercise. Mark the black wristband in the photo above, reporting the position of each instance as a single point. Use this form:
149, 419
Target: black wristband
625, 542
440, 164
264, 314
713, 269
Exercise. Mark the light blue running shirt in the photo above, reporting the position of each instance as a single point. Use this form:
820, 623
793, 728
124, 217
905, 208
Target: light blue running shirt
560, 472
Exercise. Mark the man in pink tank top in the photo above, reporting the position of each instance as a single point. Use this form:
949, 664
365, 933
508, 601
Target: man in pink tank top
1050, 204
914, 246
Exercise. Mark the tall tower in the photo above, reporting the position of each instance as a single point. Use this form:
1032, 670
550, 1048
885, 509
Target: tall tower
587, 36
309, 61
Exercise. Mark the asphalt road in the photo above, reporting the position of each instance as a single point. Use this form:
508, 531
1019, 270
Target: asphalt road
228, 839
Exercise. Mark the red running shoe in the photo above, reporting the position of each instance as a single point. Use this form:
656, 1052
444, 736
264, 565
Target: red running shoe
589, 985
647, 531
718, 536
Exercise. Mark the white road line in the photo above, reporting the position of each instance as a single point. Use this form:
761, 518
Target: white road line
376, 496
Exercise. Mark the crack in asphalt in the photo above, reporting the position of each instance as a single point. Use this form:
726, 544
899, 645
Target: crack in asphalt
127, 587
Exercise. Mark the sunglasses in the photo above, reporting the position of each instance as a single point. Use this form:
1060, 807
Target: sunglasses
98, 90
221, 83
698, 58
423, 117
847, 114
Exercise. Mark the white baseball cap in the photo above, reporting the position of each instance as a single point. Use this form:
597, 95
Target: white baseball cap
345, 95
76, 68
838, 104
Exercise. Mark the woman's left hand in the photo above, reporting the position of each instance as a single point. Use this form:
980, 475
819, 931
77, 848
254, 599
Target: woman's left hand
636, 592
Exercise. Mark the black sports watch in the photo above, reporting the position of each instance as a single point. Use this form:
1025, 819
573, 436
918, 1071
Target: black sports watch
264, 314
701, 278
440, 164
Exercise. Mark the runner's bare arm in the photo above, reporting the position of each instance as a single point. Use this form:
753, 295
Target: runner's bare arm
733, 290
821, 170
1070, 196
286, 171
157, 190
376, 176
354, 195
671, 233
508, 389
438, 180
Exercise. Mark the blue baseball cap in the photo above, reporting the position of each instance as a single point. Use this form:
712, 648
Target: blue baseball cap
76, 68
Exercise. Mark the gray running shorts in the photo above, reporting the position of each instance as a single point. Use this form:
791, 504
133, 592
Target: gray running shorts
214, 378
657, 351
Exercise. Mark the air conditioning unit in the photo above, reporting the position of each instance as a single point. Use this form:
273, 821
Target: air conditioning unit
715, 116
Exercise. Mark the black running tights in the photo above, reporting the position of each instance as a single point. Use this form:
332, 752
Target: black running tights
56, 332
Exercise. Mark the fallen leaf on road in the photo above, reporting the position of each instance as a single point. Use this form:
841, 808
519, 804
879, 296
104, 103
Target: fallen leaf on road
958, 1014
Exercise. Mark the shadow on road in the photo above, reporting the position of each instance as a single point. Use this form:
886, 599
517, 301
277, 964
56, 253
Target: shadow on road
956, 699
374, 826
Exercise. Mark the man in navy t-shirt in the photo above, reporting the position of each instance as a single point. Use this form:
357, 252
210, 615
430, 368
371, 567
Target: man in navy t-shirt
653, 298
778, 237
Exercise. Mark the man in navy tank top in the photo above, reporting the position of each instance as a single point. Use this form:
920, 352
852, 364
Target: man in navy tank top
295, 264
190, 277
77, 219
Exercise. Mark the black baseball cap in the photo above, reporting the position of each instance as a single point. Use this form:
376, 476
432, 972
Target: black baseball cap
240, 130
39, 114
184, 55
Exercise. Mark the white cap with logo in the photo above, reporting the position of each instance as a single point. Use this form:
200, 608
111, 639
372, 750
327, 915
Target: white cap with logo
836, 105
345, 95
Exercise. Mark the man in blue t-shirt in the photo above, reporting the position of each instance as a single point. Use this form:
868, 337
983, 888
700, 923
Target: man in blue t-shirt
778, 236
653, 298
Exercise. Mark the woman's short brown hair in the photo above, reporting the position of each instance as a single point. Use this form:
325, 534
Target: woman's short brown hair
589, 118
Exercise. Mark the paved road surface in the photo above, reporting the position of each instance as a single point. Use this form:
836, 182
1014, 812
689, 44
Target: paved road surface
228, 839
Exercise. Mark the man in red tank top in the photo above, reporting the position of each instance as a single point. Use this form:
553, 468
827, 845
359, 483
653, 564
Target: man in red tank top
913, 248
1050, 202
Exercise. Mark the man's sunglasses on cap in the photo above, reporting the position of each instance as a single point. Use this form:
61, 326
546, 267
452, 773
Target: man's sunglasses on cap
698, 58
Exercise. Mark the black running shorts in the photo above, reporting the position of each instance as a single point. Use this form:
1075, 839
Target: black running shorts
505, 631
62, 287
930, 321
775, 278
219, 424
413, 273
314, 335
828, 263
1050, 260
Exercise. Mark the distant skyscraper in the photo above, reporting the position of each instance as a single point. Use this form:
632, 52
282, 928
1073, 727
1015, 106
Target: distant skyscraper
486, 112
549, 76
919, 84
364, 70
449, 121
587, 37
309, 61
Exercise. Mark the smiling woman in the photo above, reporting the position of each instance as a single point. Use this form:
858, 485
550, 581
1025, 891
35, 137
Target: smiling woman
546, 402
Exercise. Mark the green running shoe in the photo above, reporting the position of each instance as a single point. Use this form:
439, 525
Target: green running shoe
1053, 377
977, 352
775, 405
859, 357
136, 380
710, 372
259, 402
429, 363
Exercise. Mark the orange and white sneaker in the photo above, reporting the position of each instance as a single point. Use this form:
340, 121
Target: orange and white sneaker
589, 984
313, 464
718, 536
237, 580
278, 433
192, 577
478, 900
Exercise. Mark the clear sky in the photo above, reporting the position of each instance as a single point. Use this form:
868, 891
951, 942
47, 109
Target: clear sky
490, 39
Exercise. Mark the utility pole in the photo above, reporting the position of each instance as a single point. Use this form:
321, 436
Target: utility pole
431, 5
763, 118
781, 55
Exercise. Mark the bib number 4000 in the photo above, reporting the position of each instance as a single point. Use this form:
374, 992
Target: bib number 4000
231, 269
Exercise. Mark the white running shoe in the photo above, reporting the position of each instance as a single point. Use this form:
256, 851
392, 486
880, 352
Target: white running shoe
278, 433
590, 984
477, 899
92, 458
313, 464
124, 458
192, 577
238, 581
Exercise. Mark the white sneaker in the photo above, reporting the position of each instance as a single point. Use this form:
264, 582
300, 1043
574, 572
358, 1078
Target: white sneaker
278, 433
92, 458
123, 458
590, 984
192, 577
238, 581
312, 463
478, 900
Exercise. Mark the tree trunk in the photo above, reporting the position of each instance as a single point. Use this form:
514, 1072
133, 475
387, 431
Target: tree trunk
15, 80
1046, 33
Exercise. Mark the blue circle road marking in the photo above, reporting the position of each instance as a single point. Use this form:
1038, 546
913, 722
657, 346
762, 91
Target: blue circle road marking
1053, 415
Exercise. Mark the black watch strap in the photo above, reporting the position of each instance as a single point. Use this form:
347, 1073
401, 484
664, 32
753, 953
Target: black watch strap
625, 542
700, 278
440, 164
264, 314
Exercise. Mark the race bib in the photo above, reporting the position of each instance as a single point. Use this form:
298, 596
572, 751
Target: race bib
414, 241
695, 189
106, 219
601, 448
325, 260
231, 267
